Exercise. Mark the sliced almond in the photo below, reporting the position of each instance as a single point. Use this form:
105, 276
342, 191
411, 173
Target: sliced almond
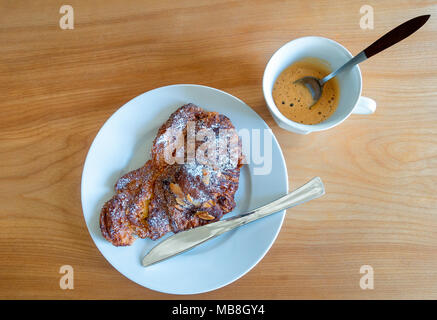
192, 201
208, 204
204, 215
176, 189
205, 179
180, 201
179, 207
145, 210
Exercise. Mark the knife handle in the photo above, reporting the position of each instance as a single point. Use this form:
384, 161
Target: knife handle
309, 191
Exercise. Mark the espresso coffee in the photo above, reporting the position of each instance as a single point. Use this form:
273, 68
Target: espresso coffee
293, 99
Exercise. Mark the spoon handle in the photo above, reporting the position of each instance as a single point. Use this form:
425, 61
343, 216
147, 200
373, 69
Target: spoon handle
355, 60
390, 38
397, 34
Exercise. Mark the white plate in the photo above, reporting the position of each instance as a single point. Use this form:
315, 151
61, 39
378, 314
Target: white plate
123, 144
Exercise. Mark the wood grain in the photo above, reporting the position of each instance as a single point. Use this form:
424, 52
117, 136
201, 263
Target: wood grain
57, 87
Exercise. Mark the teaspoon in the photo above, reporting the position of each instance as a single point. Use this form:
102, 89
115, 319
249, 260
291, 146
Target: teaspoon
315, 85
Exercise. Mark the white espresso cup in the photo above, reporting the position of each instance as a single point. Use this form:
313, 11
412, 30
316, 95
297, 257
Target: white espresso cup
350, 81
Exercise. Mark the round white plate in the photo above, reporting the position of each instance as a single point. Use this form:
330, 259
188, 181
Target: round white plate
123, 144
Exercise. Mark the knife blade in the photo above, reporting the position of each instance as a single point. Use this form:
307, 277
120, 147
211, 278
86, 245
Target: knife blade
186, 240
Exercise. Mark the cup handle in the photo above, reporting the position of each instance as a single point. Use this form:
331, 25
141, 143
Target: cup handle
364, 106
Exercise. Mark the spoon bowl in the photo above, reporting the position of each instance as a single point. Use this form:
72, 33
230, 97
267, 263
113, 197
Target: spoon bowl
313, 85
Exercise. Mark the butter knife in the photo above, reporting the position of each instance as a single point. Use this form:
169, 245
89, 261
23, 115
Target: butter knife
186, 240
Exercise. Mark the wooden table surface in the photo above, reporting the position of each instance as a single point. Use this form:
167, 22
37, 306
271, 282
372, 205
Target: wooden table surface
57, 88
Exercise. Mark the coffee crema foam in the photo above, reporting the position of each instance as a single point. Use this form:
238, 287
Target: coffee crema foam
293, 100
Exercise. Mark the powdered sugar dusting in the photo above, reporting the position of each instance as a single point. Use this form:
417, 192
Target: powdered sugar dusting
177, 127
